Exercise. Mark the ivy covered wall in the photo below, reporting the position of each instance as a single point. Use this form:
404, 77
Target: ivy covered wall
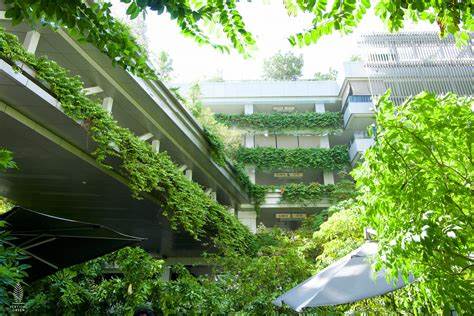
184, 202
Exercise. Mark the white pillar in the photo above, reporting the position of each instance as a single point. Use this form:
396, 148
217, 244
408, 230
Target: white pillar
328, 176
248, 109
324, 141
188, 174
319, 108
31, 41
251, 173
249, 141
249, 219
165, 276
107, 104
155, 145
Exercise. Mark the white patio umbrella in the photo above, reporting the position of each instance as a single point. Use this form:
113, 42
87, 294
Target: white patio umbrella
348, 280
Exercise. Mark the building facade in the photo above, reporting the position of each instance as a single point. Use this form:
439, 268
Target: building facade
406, 63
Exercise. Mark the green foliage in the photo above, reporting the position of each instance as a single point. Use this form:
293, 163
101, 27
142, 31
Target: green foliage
258, 193
86, 289
190, 15
417, 189
343, 16
327, 122
6, 159
314, 192
330, 75
217, 146
240, 284
11, 271
340, 234
184, 202
165, 66
92, 23
335, 158
283, 66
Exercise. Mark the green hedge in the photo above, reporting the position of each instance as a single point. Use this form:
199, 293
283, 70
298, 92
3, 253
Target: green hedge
184, 202
328, 122
335, 158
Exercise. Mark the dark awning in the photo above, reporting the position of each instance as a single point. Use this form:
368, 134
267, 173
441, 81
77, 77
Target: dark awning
53, 243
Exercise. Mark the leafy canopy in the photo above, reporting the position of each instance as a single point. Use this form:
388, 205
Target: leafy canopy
330, 75
283, 66
94, 23
164, 66
417, 189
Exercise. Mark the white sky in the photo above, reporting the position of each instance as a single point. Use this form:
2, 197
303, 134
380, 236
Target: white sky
270, 24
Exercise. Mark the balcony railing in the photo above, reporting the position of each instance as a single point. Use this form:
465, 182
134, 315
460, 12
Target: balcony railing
358, 106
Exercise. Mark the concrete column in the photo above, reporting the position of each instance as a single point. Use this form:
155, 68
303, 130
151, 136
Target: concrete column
319, 108
188, 173
251, 173
249, 219
31, 41
231, 210
249, 141
328, 176
165, 276
155, 145
107, 104
248, 109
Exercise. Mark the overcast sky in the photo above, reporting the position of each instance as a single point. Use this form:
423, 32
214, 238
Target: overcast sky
271, 26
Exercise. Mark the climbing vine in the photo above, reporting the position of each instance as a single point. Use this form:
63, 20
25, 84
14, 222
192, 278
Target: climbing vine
328, 122
184, 202
216, 145
335, 158
92, 23
314, 192
305, 193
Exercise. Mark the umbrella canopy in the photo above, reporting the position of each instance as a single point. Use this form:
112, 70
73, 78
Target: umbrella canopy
53, 243
348, 280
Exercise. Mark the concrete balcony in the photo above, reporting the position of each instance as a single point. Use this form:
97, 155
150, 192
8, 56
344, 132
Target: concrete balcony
358, 112
358, 148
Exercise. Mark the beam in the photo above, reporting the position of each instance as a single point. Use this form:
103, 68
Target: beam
146, 136
92, 90
31, 41
2, 16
